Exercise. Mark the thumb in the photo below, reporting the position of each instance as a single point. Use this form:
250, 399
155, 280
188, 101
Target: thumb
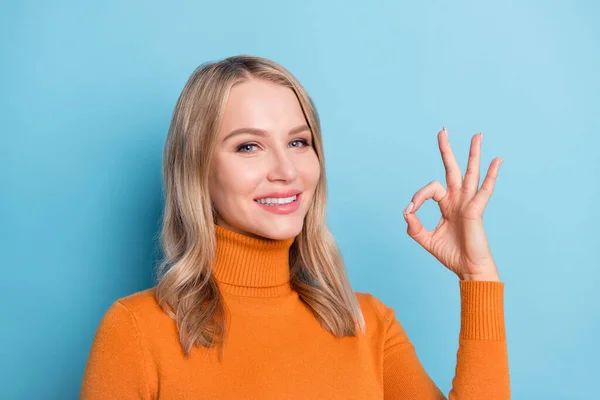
415, 228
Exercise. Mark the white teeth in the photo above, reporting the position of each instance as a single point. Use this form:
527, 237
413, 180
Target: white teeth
269, 201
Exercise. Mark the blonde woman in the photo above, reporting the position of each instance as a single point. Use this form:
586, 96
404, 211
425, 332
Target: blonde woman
252, 299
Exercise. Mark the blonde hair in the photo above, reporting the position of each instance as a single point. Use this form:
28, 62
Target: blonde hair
186, 289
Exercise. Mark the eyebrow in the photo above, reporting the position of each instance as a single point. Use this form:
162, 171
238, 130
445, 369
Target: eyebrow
262, 132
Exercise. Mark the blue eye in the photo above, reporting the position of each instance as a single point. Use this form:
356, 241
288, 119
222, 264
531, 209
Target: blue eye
245, 145
241, 148
303, 141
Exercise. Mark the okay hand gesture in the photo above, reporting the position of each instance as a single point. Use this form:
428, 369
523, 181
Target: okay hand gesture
458, 241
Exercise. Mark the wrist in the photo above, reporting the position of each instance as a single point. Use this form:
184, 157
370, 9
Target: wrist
491, 277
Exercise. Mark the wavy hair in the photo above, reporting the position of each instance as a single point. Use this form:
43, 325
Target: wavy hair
186, 289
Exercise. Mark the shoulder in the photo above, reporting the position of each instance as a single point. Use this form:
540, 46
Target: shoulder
381, 318
375, 310
144, 300
371, 304
140, 310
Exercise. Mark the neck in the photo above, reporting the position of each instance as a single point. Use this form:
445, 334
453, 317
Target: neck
250, 266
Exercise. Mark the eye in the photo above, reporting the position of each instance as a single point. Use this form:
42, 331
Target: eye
303, 141
241, 148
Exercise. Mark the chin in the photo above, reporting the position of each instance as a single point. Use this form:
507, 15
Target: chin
281, 232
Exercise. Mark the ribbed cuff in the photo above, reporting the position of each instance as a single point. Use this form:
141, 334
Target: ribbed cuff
482, 310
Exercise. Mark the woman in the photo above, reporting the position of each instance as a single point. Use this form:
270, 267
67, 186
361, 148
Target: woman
252, 300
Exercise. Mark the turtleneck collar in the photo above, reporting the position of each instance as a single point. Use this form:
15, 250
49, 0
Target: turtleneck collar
250, 266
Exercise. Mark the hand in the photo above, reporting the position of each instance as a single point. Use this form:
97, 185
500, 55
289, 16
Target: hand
459, 241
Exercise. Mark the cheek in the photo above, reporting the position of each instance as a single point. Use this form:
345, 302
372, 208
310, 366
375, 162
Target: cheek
234, 180
310, 172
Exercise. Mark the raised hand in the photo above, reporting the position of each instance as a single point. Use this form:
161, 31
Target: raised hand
458, 241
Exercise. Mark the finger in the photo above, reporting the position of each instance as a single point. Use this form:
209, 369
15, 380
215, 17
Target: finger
482, 197
453, 174
471, 182
434, 190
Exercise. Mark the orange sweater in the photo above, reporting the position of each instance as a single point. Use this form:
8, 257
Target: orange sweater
276, 349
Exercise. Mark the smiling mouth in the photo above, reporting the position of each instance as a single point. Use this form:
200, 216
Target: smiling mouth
277, 201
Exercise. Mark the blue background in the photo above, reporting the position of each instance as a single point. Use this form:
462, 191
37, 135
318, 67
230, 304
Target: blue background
87, 90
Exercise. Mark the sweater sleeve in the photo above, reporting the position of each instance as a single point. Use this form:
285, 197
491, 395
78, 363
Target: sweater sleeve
482, 358
116, 367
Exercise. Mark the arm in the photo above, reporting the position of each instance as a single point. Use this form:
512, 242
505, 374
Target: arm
482, 358
116, 367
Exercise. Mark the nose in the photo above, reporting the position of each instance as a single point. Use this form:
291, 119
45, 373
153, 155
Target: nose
282, 165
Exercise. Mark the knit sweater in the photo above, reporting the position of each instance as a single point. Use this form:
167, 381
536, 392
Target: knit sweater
275, 348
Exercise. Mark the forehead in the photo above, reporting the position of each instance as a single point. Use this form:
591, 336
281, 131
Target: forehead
261, 104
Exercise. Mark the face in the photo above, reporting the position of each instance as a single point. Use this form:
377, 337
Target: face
264, 150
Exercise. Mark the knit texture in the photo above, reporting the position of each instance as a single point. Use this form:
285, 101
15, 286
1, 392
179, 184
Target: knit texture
276, 349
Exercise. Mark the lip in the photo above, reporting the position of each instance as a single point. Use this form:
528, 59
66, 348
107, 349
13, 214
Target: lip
283, 208
286, 193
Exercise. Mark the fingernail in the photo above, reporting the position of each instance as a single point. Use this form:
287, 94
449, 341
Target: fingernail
445, 131
481, 134
501, 161
409, 208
